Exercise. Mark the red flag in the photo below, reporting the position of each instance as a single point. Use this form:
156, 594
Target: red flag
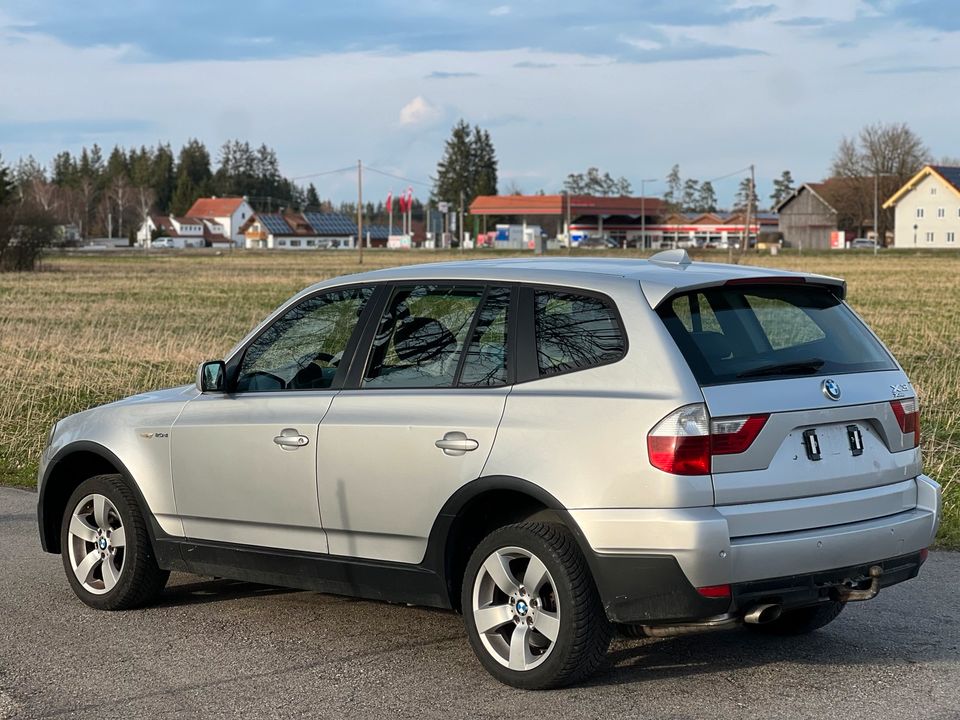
409, 198
390, 201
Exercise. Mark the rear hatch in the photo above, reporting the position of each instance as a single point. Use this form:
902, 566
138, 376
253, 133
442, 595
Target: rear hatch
833, 414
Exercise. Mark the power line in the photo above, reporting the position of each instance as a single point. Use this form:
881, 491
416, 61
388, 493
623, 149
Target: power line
350, 168
398, 177
731, 174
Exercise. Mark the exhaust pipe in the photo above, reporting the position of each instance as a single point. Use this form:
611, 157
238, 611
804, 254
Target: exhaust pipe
762, 614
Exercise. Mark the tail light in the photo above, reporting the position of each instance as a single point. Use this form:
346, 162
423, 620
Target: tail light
685, 441
908, 417
715, 591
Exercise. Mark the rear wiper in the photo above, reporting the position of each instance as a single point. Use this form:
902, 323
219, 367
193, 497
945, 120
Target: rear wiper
797, 367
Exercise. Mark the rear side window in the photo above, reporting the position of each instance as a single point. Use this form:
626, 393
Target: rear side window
575, 332
758, 332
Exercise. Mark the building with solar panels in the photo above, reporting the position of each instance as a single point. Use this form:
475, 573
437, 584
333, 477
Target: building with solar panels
307, 231
927, 209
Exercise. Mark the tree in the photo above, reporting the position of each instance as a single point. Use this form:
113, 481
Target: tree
782, 188
25, 230
874, 165
706, 198
592, 182
468, 167
312, 201
193, 176
691, 194
163, 177
746, 195
672, 198
6, 182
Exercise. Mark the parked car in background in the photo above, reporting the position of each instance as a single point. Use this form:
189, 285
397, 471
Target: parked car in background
863, 244
553, 448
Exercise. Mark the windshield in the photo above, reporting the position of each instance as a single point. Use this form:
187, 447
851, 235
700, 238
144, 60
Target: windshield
767, 331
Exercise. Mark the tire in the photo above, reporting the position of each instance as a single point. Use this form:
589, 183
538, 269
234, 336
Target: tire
105, 546
562, 602
800, 621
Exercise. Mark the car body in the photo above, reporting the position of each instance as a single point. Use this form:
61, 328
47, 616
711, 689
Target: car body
863, 244
624, 421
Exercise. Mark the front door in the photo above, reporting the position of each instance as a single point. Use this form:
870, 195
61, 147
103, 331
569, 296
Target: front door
420, 421
245, 462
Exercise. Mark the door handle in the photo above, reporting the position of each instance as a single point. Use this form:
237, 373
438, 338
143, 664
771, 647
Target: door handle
456, 443
291, 439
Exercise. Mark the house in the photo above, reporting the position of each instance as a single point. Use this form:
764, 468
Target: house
927, 209
307, 231
174, 232
229, 214
814, 213
712, 229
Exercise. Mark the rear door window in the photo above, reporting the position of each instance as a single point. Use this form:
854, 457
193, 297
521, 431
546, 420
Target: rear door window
575, 332
759, 332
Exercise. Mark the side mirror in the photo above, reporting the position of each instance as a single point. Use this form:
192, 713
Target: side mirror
211, 376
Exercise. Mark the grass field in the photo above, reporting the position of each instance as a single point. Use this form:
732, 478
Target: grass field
91, 329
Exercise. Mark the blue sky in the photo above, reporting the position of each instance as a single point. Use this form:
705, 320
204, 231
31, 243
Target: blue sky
632, 87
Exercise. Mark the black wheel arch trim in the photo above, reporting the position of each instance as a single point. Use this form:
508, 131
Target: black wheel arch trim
50, 528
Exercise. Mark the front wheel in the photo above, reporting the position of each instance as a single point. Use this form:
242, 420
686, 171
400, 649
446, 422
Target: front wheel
105, 546
532, 612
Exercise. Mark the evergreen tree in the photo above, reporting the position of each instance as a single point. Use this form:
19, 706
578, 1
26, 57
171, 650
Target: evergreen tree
593, 183
193, 176
454, 171
691, 195
673, 196
706, 198
484, 163
64, 169
744, 195
312, 200
162, 176
782, 188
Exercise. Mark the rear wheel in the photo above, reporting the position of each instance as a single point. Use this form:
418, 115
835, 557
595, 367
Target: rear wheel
105, 546
532, 612
800, 621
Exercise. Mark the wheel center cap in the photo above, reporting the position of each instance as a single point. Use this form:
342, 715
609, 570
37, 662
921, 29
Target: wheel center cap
103, 543
522, 608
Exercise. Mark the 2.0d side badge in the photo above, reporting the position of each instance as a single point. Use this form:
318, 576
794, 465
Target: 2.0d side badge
831, 389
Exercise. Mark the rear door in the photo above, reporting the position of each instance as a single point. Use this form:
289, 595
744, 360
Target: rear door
420, 419
831, 393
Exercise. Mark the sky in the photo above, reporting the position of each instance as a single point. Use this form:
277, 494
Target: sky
631, 87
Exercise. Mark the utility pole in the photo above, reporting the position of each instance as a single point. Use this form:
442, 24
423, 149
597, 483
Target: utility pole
460, 228
745, 241
643, 212
360, 208
566, 196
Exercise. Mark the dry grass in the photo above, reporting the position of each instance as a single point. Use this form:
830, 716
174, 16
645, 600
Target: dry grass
88, 330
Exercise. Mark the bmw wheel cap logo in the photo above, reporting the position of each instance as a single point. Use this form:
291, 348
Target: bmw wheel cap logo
521, 607
831, 388
103, 543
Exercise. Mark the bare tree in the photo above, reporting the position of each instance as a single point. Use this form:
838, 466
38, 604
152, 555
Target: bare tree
121, 194
875, 165
145, 198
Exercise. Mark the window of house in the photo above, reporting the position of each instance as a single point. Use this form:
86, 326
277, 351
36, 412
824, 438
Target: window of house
941, 212
933, 191
951, 237
929, 237
294, 243
919, 212
575, 332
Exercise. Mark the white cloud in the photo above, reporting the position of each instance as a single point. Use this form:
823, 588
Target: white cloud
500, 10
418, 111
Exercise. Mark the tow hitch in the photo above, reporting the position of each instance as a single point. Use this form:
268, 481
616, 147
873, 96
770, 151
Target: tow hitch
851, 593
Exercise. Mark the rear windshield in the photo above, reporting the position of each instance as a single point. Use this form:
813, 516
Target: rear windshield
761, 332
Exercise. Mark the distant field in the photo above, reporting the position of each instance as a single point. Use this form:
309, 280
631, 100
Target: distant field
92, 329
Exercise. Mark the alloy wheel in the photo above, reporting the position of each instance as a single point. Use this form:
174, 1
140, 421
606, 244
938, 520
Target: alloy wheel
515, 608
97, 544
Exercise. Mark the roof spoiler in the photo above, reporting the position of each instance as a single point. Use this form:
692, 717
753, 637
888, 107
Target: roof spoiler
657, 294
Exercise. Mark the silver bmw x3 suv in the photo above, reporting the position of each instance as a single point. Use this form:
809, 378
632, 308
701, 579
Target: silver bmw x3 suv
553, 448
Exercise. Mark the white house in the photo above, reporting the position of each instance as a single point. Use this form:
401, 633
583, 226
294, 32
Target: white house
229, 213
928, 209
170, 231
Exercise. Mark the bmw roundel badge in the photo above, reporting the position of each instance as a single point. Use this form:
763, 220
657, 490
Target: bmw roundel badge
831, 388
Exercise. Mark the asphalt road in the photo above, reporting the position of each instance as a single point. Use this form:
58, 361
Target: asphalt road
214, 648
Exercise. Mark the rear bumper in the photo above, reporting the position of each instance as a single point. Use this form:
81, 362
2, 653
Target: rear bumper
647, 563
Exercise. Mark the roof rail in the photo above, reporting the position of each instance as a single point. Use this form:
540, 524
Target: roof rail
671, 257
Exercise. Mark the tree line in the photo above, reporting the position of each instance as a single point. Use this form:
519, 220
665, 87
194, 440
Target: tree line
110, 194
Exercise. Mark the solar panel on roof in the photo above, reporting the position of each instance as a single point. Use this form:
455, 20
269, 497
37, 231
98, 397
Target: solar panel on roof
331, 223
275, 224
